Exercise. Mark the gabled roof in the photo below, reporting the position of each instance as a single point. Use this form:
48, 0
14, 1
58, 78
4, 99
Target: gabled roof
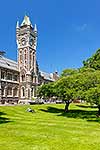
8, 63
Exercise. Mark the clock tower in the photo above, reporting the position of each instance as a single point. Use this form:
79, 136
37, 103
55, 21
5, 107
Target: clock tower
26, 37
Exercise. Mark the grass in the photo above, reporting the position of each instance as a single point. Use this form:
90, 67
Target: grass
49, 128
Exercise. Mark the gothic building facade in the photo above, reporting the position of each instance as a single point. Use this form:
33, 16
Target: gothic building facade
19, 80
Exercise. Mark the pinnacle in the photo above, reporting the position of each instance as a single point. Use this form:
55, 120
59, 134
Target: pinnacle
26, 21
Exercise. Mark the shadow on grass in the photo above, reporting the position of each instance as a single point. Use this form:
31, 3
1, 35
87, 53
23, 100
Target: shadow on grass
75, 113
3, 119
86, 106
53, 110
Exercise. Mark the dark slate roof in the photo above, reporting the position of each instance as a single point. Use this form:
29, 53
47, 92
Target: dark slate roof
8, 63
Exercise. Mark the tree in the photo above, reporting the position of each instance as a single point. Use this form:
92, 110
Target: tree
94, 61
64, 90
93, 96
46, 91
68, 72
83, 83
88, 88
78, 86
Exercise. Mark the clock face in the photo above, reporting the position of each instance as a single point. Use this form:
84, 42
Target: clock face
23, 41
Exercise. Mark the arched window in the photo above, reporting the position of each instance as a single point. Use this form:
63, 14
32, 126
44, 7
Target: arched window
2, 74
23, 77
9, 91
32, 92
3, 91
28, 93
15, 92
23, 92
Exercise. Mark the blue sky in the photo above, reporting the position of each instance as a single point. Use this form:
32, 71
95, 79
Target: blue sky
68, 30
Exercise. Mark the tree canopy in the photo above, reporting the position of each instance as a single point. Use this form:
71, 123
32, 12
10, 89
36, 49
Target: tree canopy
94, 61
82, 83
68, 72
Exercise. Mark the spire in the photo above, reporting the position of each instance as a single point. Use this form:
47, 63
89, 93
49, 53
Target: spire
26, 21
17, 25
35, 28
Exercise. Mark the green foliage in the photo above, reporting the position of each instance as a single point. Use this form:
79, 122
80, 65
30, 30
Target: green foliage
46, 90
93, 95
75, 86
33, 98
83, 83
68, 72
94, 61
86, 69
63, 88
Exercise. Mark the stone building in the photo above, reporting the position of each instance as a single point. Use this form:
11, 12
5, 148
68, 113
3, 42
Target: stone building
19, 80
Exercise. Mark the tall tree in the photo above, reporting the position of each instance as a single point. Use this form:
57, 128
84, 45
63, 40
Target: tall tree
94, 61
83, 83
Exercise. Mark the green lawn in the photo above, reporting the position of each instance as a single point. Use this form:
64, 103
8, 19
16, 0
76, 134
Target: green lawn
49, 128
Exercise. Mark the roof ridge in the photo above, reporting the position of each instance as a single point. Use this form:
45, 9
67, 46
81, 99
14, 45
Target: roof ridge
5, 58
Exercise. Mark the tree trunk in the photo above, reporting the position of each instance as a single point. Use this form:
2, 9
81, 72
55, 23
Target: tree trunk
66, 106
